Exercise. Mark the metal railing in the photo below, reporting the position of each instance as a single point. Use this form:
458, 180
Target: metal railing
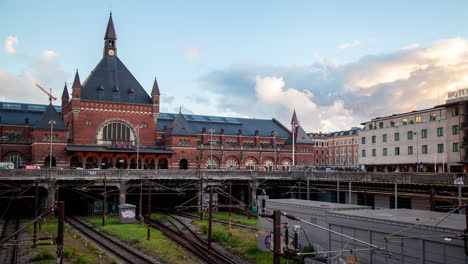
371, 177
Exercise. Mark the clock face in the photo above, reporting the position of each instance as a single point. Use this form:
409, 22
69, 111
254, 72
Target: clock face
111, 52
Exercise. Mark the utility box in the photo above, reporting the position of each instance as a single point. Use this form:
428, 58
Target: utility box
127, 213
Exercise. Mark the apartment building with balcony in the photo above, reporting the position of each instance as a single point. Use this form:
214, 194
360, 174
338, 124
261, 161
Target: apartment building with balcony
427, 140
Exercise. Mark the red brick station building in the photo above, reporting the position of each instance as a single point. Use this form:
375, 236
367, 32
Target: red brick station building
110, 121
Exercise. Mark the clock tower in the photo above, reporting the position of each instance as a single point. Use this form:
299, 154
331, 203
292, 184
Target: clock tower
110, 39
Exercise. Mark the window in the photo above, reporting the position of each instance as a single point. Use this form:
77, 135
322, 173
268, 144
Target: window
363, 153
397, 136
424, 133
373, 139
380, 124
370, 127
116, 131
374, 152
440, 131
397, 151
440, 148
432, 117
410, 150
455, 111
418, 119
363, 140
15, 159
384, 151
404, 121
424, 149
384, 137
455, 130
455, 147
410, 135
392, 123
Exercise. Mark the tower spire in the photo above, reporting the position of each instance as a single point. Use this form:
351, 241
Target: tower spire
110, 39
155, 90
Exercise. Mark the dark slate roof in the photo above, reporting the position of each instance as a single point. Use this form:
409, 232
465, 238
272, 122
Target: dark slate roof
65, 92
50, 114
16, 113
180, 127
110, 31
231, 125
155, 90
344, 133
76, 81
112, 75
302, 137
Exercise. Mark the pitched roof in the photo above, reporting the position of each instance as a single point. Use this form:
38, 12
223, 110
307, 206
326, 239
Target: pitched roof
180, 127
110, 31
76, 81
50, 114
17, 113
111, 81
155, 90
294, 121
231, 125
302, 137
65, 92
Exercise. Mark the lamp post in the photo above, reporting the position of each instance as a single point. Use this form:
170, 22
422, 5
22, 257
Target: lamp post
417, 151
138, 145
211, 147
274, 146
51, 123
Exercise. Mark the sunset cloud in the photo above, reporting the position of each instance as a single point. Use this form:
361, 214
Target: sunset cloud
10, 43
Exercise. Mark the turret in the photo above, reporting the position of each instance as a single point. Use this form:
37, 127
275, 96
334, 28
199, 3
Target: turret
65, 96
110, 39
76, 87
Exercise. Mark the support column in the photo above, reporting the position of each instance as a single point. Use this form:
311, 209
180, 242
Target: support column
253, 186
200, 202
51, 193
122, 192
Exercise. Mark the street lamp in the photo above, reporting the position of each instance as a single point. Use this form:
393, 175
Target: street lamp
51, 123
417, 151
138, 144
211, 147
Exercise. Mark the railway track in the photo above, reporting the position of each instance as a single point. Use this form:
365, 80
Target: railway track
190, 240
214, 220
113, 245
11, 254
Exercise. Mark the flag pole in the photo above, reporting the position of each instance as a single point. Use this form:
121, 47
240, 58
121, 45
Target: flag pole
293, 150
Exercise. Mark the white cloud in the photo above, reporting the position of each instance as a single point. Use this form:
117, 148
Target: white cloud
328, 96
351, 44
410, 47
10, 43
44, 70
192, 53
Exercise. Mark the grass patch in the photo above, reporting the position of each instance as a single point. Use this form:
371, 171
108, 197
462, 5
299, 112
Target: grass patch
236, 218
158, 246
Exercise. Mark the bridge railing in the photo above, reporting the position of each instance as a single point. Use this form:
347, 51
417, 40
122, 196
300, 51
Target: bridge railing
385, 177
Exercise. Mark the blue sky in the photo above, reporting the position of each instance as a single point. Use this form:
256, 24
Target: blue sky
328, 59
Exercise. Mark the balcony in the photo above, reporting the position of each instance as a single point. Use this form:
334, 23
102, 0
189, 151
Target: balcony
15, 141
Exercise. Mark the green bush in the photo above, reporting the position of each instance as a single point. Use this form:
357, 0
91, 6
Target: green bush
44, 255
69, 253
85, 260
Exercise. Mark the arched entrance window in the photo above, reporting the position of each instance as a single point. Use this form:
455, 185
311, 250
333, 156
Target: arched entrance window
116, 131
121, 163
91, 163
107, 163
47, 162
75, 162
212, 163
162, 164
14, 158
286, 164
183, 164
251, 164
269, 164
149, 164
232, 163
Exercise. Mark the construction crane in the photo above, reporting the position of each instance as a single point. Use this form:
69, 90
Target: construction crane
51, 97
